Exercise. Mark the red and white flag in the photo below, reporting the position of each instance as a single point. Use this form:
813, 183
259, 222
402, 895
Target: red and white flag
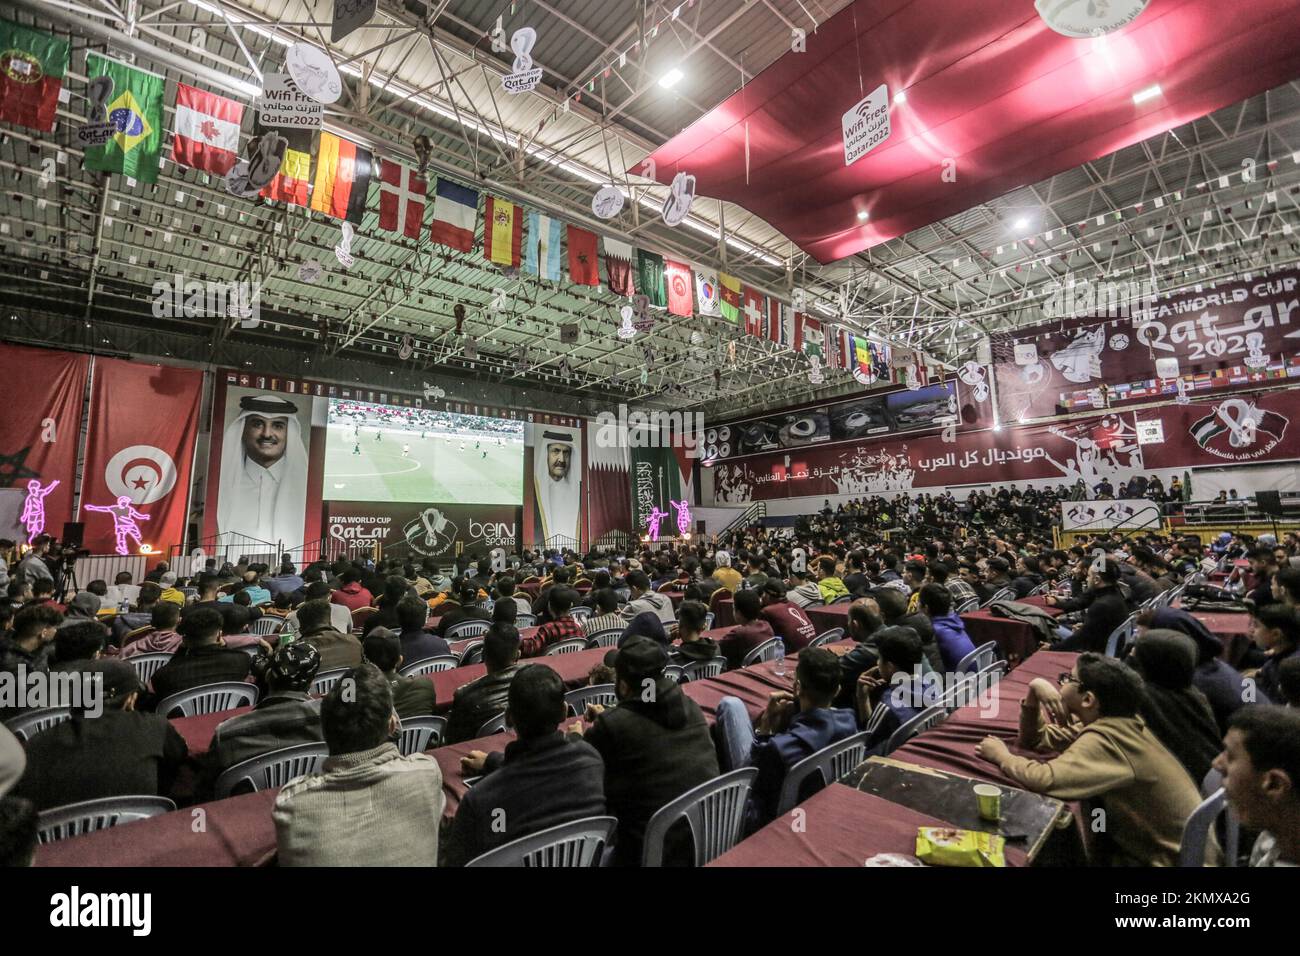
207, 130
401, 199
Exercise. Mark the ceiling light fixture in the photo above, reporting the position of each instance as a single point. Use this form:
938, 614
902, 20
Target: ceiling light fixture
900, 97
1150, 93
863, 215
671, 78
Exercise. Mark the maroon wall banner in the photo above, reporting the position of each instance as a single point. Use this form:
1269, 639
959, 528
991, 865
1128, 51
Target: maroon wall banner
1234, 429
438, 531
609, 494
1242, 333
144, 420
38, 439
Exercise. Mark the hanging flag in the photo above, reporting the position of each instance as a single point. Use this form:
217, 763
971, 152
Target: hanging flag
503, 232
291, 182
706, 291
678, 278
401, 199
542, 247
808, 337
206, 130
755, 312
650, 277
729, 288
780, 322
32, 64
618, 267
454, 210
135, 110
342, 180
584, 265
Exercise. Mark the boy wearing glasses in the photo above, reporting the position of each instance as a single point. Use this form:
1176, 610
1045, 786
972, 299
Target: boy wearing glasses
1104, 751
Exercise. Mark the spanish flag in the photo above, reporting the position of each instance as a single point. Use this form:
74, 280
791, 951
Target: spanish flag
343, 172
503, 231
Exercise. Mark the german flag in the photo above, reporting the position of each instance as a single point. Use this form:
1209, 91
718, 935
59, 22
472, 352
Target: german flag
343, 171
290, 183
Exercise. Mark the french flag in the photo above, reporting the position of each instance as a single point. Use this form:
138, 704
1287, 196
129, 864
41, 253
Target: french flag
455, 209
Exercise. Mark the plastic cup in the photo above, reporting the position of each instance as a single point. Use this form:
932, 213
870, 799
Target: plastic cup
989, 799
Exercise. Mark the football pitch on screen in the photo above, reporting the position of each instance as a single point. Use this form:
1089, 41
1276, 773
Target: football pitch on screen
433, 470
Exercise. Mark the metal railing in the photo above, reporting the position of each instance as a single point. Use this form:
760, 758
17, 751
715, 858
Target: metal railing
756, 511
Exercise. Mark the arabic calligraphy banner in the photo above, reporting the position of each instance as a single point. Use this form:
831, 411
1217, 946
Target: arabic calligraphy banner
439, 531
1239, 334
1232, 429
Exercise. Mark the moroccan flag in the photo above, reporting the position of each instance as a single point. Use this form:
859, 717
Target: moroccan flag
401, 199
618, 267
206, 131
808, 336
454, 210
343, 172
542, 247
706, 291
32, 64
135, 110
678, 276
503, 232
755, 310
584, 268
730, 297
650, 277
290, 183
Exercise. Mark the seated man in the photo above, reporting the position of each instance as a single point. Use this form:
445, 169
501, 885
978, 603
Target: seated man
170, 592
351, 594
469, 610
893, 610
829, 584
107, 749
1260, 764
560, 624
412, 696
643, 599
606, 616
140, 616
803, 591
543, 779
340, 616
417, 643
690, 628
949, 629
793, 726
368, 805
337, 648
505, 588
751, 630
864, 624
1104, 610
890, 694
788, 621
474, 703
724, 573
1107, 752
31, 643
655, 743
203, 657
284, 716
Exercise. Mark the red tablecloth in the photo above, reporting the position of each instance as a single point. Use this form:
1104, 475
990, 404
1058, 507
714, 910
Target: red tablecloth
842, 827
237, 831
1015, 639
1233, 629
198, 730
828, 616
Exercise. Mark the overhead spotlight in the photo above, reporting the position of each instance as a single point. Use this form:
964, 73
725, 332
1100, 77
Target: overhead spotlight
1021, 224
863, 215
900, 97
1150, 93
671, 78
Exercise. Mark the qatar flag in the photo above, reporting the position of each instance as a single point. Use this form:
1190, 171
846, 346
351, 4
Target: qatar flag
207, 130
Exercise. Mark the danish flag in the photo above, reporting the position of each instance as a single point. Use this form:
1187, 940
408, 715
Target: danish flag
401, 199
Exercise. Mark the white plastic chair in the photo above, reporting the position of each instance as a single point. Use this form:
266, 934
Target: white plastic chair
419, 734
831, 762
146, 665
715, 812
1121, 636
567, 647
580, 843
28, 725
458, 632
430, 665
606, 638
978, 659
74, 819
325, 681
930, 717
580, 697
834, 634
764, 652
209, 698
272, 770
702, 670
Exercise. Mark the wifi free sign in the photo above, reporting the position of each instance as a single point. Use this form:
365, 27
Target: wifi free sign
866, 126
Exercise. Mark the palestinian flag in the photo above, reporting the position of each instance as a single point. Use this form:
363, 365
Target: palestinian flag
135, 110
32, 64
503, 232
343, 171
730, 297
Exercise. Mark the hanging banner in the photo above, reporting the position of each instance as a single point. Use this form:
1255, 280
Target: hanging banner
609, 502
38, 439
416, 531
1110, 515
557, 484
140, 437
656, 481
1229, 430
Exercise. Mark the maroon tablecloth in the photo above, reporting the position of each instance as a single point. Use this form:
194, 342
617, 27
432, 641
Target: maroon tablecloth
841, 827
572, 668
237, 831
828, 616
198, 730
1015, 639
1233, 629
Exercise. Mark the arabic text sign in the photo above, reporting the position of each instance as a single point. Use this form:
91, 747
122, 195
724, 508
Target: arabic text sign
866, 125
283, 105
1105, 515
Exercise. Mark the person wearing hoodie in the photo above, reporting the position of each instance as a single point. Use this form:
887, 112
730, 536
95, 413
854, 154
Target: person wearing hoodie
656, 745
1221, 683
792, 726
645, 624
893, 610
352, 595
803, 590
1275, 629
724, 573
1104, 750
750, 631
643, 599
788, 621
949, 630
829, 584
1177, 713
690, 629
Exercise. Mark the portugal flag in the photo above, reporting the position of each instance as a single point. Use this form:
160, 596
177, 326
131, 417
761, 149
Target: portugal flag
342, 178
503, 231
32, 65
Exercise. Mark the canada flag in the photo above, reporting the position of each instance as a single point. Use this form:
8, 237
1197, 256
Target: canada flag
207, 130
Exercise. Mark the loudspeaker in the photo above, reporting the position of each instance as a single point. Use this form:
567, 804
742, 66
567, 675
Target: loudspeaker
74, 533
1269, 502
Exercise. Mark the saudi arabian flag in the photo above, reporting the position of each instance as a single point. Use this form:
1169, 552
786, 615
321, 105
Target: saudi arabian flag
134, 108
650, 278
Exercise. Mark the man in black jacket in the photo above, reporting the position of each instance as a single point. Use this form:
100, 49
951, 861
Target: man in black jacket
543, 779
469, 610
893, 610
202, 659
474, 703
655, 743
1103, 606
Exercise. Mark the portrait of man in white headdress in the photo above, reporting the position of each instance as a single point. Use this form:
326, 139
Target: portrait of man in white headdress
263, 493
557, 482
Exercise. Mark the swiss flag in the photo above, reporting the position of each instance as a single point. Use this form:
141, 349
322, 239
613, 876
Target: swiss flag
207, 130
401, 199
754, 311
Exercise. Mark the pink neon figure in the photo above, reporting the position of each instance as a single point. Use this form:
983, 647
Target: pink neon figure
124, 521
653, 520
683, 516
34, 508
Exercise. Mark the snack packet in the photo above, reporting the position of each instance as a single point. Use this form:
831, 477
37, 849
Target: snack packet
944, 846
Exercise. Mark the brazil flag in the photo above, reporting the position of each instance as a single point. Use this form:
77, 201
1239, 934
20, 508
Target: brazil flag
135, 109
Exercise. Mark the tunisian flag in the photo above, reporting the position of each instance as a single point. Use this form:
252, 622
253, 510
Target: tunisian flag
135, 486
678, 277
38, 439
